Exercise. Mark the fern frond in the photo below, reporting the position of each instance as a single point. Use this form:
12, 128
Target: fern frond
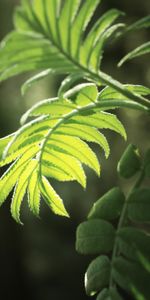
50, 37
42, 40
56, 141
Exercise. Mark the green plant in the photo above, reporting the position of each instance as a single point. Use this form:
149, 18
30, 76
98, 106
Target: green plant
50, 37
117, 226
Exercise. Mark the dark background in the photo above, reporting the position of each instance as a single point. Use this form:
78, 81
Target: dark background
38, 260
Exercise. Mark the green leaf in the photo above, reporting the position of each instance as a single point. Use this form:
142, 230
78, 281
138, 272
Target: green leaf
51, 106
66, 18
96, 32
20, 189
147, 163
87, 94
68, 82
114, 294
10, 177
97, 53
142, 23
130, 162
31, 132
141, 50
67, 163
34, 80
97, 275
130, 276
51, 171
95, 236
40, 41
52, 199
135, 244
76, 148
109, 93
109, 206
104, 295
3, 143
83, 94
80, 24
86, 133
34, 193
144, 48
101, 120
139, 205
110, 294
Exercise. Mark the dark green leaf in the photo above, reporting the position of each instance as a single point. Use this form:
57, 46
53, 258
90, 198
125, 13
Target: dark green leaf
135, 244
109, 294
95, 236
147, 163
109, 206
132, 277
139, 205
129, 163
97, 275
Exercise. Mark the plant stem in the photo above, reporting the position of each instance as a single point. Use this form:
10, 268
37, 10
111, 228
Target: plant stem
116, 251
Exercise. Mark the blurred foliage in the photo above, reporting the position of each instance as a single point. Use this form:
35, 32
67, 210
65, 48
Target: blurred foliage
38, 261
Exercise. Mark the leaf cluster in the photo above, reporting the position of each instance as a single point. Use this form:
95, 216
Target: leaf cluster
54, 144
117, 230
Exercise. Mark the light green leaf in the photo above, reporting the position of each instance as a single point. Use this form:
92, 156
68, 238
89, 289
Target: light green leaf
34, 193
68, 82
141, 50
95, 236
142, 23
80, 24
83, 94
20, 189
3, 143
87, 94
52, 199
50, 106
32, 132
35, 79
109, 93
96, 54
101, 120
51, 16
76, 148
9, 178
15, 154
97, 275
95, 34
66, 18
37, 43
67, 163
86, 133
49, 170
